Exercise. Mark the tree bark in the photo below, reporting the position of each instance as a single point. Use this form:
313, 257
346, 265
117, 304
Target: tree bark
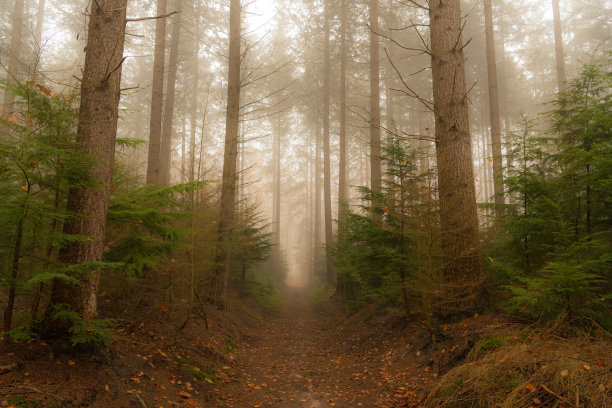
15, 50
317, 198
40, 16
559, 46
157, 96
8, 312
375, 165
228, 184
342, 183
458, 216
97, 130
329, 237
277, 194
498, 176
194, 97
390, 72
166, 140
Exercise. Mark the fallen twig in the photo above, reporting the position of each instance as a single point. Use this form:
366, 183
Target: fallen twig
557, 396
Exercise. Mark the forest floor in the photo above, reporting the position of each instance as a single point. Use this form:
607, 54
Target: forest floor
305, 356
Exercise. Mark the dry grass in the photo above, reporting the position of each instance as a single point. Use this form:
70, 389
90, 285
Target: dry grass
540, 370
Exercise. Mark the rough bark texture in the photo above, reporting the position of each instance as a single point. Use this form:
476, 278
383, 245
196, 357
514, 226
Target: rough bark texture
498, 176
165, 154
15, 50
390, 72
342, 183
157, 96
458, 216
559, 46
195, 91
97, 130
277, 181
277, 196
375, 165
331, 279
228, 184
317, 205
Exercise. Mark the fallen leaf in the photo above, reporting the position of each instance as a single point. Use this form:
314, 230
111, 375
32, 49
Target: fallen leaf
106, 388
536, 401
185, 394
530, 387
564, 373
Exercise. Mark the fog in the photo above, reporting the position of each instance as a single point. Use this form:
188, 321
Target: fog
282, 90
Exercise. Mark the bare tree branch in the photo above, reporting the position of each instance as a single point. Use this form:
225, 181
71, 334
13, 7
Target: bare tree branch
131, 20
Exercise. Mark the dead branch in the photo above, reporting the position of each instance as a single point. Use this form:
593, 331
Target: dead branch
427, 104
115, 69
131, 20
419, 50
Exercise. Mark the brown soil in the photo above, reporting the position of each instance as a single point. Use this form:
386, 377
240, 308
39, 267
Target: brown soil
300, 357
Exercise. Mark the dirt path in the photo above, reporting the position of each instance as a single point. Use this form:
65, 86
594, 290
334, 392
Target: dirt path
295, 362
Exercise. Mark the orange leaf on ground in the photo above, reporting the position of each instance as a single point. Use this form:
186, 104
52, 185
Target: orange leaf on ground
530, 387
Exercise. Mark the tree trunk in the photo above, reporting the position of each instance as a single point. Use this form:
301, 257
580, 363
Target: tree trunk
40, 16
228, 184
458, 215
559, 46
342, 184
194, 99
166, 141
375, 165
331, 279
97, 130
498, 176
157, 96
277, 195
390, 72
15, 50
8, 313
317, 198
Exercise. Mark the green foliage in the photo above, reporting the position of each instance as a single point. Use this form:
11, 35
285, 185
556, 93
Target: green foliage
208, 374
93, 332
143, 225
39, 163
251, 242
486, 345
569, 287
261, 289
385, 249
555, 259
18, 401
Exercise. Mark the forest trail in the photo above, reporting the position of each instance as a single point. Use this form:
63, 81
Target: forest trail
296, 361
